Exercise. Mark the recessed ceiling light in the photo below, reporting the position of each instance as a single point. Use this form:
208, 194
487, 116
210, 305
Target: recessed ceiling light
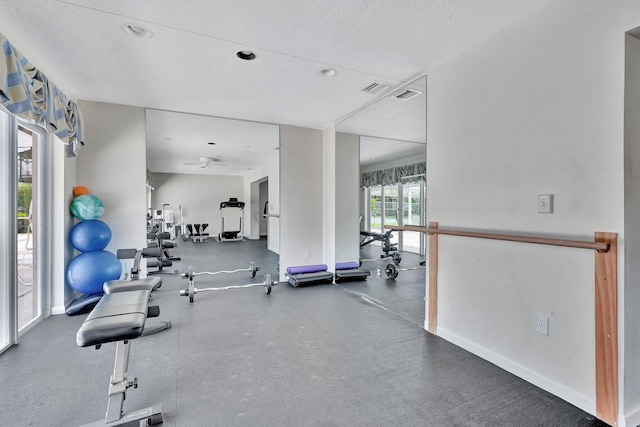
249, 169
247, 55
251, 146
328, 72
137, 30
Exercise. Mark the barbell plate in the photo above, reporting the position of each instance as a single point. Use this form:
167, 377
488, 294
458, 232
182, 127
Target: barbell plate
391, 270
397, 258
267, 283
252, 269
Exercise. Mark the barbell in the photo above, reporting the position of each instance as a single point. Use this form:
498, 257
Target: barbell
396, 257
252, 269
191, 290
391, 270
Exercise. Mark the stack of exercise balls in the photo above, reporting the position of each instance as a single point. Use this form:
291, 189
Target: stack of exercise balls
88, 271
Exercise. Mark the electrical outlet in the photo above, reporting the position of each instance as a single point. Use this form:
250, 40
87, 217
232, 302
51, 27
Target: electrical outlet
542, 324
307, 254
545, 203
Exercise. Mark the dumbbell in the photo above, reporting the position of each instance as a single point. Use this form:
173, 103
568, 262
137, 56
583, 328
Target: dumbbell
391, 270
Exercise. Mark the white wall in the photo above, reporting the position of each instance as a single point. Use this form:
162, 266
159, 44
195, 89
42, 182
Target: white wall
348, 198
112, 165
632, 228
64, 177
301, 176
200, 197
537, 108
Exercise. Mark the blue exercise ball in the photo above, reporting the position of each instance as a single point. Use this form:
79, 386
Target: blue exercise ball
87, 206
90, 235
88, 271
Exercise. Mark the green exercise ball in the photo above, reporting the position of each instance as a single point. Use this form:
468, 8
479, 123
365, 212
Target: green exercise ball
87, 206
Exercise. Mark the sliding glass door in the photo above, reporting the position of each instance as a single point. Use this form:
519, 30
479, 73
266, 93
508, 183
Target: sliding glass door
398, 204
413, 214
25, 189
8, 325
391, 210
29, 294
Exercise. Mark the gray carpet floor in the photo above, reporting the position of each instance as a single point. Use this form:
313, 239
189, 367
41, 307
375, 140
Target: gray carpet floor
349, 355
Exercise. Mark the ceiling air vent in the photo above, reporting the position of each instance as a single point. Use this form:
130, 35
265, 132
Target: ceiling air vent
375, 88
406, 94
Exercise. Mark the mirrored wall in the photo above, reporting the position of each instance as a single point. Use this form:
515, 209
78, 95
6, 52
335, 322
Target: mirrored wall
392, 134
197, 164
392, 172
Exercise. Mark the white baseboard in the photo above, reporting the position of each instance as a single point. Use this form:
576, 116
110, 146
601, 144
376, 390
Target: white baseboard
57, 310
553, 387
631, 420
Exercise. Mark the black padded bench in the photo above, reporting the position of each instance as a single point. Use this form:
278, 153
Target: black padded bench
146, 284
302, 275
120, 317
348, 271
355, 274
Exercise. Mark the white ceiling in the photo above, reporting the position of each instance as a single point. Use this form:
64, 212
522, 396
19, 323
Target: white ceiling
189, 65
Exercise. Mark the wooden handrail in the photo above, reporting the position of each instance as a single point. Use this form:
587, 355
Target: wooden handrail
606, 304
597, 246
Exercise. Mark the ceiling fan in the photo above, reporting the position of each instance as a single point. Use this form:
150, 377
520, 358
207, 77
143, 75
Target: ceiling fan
205, 162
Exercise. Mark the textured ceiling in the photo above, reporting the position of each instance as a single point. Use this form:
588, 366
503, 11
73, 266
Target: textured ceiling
189, 64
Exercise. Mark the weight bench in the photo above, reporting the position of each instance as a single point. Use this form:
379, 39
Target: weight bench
309, 275
146, 284
367, 237
346, 271
199, 235
120, 317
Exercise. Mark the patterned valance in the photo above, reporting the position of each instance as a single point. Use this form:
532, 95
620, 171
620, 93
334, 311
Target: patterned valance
27, 93
408, 173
